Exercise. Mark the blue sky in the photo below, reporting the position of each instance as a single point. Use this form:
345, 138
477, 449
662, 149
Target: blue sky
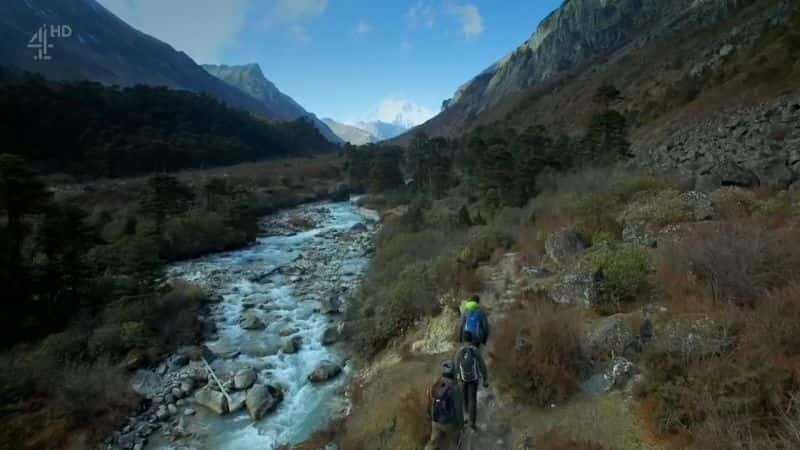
347, 59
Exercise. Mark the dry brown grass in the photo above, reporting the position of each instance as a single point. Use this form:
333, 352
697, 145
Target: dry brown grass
537, 351
737, 261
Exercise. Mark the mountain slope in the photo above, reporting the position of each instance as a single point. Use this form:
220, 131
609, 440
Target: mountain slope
575, 36
249, 79
104, 48
350, 133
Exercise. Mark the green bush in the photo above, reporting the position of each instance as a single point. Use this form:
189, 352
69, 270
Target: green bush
197, 233
625, 270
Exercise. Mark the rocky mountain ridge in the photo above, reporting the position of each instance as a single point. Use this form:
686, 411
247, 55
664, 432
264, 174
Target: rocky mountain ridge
571, 38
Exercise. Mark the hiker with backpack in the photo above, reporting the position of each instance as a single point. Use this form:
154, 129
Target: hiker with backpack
470, 370
445, 409
473, 321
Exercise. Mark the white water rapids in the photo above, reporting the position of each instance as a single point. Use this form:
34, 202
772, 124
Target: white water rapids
324, 261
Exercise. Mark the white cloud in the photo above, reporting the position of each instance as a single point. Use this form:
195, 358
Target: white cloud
205, 29
300, 34
363, 27
293, 11
420, 15
401, 111
470, 18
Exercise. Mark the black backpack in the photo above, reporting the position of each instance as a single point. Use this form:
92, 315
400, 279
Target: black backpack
468, 365
442, 407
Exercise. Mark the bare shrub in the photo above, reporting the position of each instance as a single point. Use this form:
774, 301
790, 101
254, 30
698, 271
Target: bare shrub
735, 261
538, 351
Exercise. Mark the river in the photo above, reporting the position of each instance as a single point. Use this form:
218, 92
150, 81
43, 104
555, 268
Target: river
289, 281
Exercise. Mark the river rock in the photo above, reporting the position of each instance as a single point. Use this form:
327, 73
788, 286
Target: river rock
187, 386
189, 412
331, 335
261, 400
359, 226
212, 400
250, 321
146, 383
564, 246
330, 305
292, 345
237, 401
324, 372
244, 379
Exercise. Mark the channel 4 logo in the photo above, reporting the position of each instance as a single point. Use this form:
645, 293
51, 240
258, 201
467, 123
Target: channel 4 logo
41, 40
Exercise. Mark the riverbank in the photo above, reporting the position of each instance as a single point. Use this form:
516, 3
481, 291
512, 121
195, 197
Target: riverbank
275, 323
95, 259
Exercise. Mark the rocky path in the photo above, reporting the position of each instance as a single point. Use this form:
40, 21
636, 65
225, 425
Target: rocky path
272, 334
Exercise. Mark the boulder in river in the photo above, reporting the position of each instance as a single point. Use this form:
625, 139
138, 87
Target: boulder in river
324, 372
244, 379
237, 401
262, 399
331, 335
358, 226
212, 400
330, 305
250, 321
292, 345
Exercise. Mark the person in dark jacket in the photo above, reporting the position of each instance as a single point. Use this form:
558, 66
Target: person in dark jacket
478, 325
470, 370
445, 409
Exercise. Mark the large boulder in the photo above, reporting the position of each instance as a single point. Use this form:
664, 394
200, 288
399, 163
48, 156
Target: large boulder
244, 379
732, 174
576, 288
324, 372
250, 321
211, 399
261, 400
611, 337
564, 246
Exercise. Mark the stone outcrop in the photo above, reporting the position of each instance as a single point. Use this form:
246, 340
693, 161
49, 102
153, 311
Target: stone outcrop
576, 288
564, 246
758, 146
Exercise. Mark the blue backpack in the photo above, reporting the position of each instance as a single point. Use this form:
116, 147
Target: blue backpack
472, 323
